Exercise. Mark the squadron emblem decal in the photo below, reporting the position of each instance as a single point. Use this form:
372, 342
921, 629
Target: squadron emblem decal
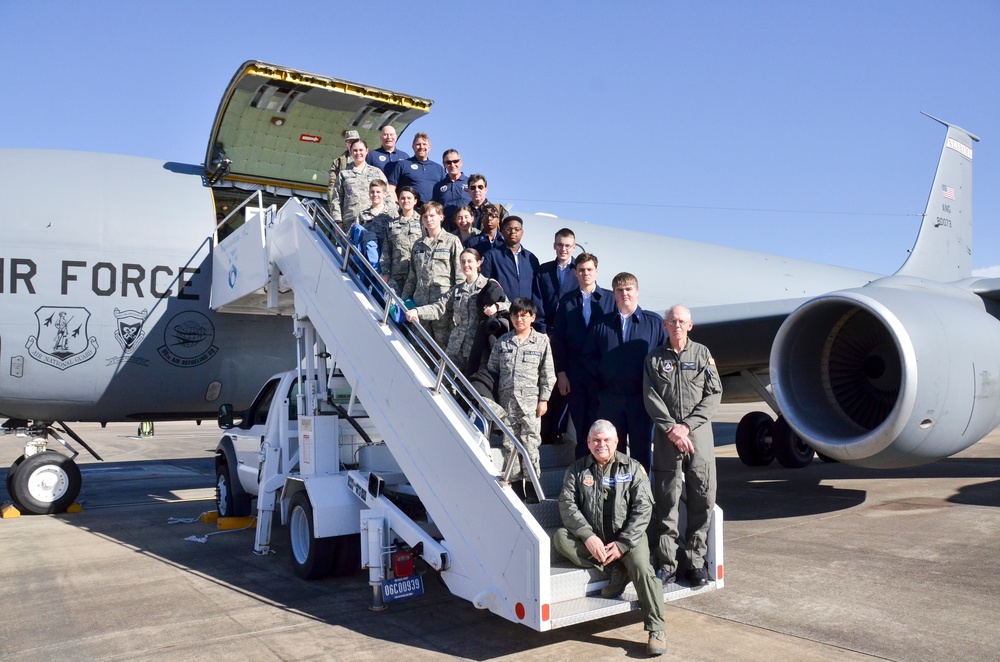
129, 334
62, 340
188, 339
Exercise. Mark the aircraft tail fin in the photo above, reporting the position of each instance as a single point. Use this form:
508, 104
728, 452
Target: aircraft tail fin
943, 250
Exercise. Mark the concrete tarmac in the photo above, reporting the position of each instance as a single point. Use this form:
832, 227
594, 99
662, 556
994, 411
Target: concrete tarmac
824, 563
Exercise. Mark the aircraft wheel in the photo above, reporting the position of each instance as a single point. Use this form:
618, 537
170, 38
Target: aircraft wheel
46, 482
826, 458
312, 557
10, 479
753, 439
230, 499
792, 452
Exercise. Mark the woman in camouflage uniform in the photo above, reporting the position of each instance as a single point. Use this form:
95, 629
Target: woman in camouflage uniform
460, 310
434, 268
402, 233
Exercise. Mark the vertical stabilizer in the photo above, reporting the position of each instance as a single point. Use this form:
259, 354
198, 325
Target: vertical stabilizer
943, 250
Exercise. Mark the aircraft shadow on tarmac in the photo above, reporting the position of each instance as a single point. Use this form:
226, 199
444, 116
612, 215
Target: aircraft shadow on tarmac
772, 492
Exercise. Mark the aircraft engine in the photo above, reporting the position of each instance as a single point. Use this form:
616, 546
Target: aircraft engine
895, 374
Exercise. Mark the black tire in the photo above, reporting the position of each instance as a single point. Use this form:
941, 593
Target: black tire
312, 557
46, 482
10, 479
230, 499
826, 458
789, 448
346, 555
754, 439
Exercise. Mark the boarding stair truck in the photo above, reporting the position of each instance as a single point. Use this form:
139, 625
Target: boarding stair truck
426, 480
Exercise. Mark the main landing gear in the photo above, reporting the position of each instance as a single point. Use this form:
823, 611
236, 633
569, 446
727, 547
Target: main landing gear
44, 481
760, 439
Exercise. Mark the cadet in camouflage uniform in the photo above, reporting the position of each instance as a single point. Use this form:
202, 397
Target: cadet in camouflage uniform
350, 194
434, 268
403, 232
376, 218
522, 362
605, 505
460, 307
682, 391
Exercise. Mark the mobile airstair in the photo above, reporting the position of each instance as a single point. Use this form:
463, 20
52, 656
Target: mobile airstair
496, 550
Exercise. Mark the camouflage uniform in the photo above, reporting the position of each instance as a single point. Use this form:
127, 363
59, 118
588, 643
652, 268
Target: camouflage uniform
402, 233
434, 269
526, 377
460, 309
350, 195
338, 164
379, 225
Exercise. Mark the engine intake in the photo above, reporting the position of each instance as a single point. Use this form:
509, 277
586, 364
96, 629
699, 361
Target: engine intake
898, 373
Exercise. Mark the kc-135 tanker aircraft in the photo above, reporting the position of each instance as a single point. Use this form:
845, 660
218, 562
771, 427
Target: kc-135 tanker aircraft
107, 292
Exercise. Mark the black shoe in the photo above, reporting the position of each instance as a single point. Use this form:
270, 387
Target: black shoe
530, 495
698, 576
666, 575
518, 488
617, 583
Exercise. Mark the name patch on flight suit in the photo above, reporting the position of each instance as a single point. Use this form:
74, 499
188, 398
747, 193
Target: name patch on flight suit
689, 365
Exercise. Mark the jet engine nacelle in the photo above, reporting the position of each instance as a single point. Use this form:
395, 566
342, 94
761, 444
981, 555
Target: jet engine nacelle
898, 373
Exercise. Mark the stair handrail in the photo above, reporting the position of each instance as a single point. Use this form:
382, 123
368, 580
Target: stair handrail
354, 263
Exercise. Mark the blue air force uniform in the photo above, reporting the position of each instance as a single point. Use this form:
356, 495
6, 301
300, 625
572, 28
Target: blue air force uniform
421, 175
385, 161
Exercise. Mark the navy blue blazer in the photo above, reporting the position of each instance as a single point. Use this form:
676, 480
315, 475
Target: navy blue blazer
617, 363
549, 292
569, 332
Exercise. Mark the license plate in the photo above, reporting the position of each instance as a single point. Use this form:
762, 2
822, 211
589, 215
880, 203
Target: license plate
402, 587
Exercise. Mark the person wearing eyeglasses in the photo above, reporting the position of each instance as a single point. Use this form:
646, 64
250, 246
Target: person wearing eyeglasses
418, 172
489, 236
452, 191
605, 505
514, 266
479, 204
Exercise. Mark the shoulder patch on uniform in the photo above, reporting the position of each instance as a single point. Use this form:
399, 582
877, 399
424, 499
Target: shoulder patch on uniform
711, 360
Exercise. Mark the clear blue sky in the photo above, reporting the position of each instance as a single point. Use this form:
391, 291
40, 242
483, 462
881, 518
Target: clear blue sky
786, 127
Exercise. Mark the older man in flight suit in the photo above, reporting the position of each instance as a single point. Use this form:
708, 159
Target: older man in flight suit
682, 391
605, 505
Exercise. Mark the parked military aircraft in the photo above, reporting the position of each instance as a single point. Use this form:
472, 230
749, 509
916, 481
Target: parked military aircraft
106, 292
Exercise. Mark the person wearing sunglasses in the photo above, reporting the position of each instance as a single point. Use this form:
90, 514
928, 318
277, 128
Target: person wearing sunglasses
452, 191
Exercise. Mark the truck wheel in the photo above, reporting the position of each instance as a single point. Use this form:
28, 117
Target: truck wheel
754, 439
46, 482
10, 479
230, 499
312, 557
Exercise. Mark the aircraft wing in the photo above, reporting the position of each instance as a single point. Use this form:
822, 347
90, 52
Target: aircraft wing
741, 334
